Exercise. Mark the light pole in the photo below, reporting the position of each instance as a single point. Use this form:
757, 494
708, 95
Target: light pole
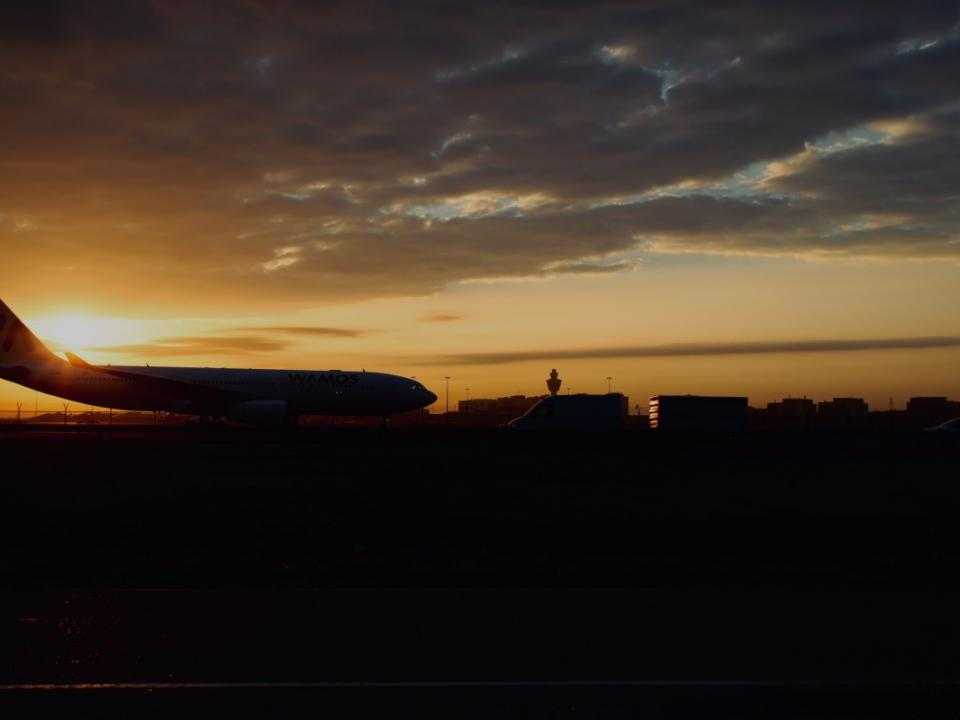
609, 384
447, 379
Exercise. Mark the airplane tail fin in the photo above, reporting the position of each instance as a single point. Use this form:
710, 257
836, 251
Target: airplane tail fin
19, 346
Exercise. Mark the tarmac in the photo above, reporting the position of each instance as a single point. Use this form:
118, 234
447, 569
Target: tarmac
424, 566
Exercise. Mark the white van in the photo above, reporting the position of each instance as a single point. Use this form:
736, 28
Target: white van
575, 412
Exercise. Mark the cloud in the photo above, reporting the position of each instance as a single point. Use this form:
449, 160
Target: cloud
306, 330
282, 258
586, 267
197, 346
679, 350
219, 153
442, 318
244, 344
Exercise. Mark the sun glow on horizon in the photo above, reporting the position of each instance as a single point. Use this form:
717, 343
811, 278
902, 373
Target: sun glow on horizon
76, 331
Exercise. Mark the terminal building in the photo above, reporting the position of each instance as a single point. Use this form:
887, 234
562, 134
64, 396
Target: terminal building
698, 412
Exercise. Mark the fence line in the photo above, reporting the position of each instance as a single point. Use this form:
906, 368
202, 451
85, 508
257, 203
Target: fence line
84, 415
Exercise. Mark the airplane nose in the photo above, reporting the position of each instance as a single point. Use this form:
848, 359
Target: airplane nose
431, 398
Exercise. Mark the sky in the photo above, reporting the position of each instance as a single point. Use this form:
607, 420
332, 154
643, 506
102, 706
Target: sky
723, 197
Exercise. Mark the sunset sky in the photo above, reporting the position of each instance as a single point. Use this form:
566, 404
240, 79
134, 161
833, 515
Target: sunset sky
759, 199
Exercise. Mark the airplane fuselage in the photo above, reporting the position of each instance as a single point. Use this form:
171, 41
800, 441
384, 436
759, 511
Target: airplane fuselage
222, 391
258, 396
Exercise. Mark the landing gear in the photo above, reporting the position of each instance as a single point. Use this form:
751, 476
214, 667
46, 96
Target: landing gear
385, 422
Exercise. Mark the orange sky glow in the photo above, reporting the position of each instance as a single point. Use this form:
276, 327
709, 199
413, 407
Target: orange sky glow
624, 192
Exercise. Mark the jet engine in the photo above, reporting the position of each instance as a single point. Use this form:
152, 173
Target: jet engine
260, 412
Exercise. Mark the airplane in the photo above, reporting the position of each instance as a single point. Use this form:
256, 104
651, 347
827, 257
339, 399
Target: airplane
256, 397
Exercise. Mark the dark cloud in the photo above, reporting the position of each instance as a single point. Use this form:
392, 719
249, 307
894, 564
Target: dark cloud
919, 173
307, 331
700, 350
292, 151
589, 268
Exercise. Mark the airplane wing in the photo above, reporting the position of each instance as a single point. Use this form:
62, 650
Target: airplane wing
79, 362
189, 393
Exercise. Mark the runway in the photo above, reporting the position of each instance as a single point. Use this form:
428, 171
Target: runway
158, 560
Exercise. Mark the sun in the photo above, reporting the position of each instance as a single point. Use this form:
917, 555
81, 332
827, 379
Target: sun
82, 331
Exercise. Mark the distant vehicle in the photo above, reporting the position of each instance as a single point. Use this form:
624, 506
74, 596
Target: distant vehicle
701, 413
575, 412
950, 426
259, 397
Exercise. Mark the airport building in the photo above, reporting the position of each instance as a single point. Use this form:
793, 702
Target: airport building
927, 411
790, 414
698, 412
845, 412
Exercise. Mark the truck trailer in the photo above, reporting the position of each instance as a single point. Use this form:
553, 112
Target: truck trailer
703, 413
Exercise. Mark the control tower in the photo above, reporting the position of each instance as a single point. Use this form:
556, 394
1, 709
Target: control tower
553, 382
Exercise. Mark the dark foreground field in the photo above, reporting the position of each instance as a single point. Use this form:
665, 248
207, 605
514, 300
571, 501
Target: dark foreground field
700, 574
